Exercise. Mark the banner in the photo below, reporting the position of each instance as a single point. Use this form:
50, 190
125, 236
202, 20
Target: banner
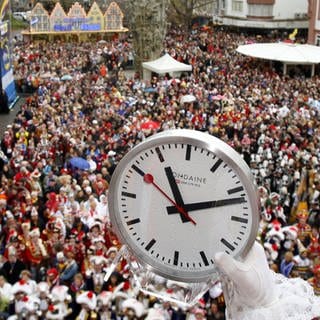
7, 79
4, 8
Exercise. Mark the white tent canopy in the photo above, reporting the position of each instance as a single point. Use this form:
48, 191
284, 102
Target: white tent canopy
282, 51
165, 64
288, 53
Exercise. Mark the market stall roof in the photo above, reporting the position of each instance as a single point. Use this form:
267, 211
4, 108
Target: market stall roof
290, 53
166, 64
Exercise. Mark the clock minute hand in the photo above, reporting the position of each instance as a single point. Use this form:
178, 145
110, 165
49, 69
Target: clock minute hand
173, 185
175, 191
207, 204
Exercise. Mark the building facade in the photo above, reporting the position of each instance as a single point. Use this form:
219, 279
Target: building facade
266, 14
314, 22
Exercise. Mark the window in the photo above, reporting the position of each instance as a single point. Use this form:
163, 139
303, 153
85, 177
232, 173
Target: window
318, 40
113, 17
237, 5
260, 10
42, 23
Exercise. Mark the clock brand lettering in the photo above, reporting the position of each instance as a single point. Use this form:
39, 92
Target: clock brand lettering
185, 178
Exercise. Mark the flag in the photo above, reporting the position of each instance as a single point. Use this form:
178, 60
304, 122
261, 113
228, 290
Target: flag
292, 35
6, 71
4, 9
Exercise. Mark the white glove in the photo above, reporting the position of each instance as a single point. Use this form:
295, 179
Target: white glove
252, 291
253, 280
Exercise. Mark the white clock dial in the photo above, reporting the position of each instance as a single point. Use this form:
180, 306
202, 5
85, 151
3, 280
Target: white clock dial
179, 198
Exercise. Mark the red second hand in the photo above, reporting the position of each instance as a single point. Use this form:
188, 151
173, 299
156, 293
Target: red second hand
148, 178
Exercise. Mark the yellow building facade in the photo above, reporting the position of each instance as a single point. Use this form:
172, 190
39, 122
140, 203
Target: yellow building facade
76, 24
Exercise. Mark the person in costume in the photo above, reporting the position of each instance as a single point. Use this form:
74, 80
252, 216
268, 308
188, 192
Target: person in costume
95, 278
6, 297
43, 294
104, 302
36, 252
59, 306
304, 229
315, 280
88, 302
53, 278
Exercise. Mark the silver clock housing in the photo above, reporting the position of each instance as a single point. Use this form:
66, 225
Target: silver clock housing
201, 140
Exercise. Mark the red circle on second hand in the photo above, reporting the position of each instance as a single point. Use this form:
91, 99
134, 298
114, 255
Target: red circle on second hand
148, 178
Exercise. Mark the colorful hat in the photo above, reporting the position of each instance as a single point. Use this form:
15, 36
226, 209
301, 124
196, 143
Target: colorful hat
291, 232
43, 287
97, 239
135, 305
21, 287
155, 314
34, 232
98, 260
88, 298
112, 249
52, 272
105, 297
302, 213
60, 294
57, 311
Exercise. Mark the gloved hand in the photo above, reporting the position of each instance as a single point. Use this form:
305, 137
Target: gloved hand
252, 291
252, 279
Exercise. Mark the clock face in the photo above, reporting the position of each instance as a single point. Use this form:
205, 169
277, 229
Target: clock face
180, 197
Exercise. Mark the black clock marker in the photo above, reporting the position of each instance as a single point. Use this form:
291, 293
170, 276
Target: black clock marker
138, 170
216, 165
204, 258
176, 258
160, 156
133, 221
235, 190
239, 219
227, 244
128, 194
150, 244
188, 152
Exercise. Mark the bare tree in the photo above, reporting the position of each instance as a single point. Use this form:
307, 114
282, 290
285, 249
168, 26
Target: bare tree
183, 11
148, 24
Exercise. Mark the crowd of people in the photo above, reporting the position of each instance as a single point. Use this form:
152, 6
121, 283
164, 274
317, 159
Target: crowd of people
85, 113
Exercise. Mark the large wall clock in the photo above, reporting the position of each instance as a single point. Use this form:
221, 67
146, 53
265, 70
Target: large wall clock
178, 198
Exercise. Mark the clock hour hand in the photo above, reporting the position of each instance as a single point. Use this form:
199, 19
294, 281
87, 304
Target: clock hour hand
175, 190
208, 204
149, 179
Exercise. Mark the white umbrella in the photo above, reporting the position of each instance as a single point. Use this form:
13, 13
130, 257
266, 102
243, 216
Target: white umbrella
283, 51
188, 98
66, 77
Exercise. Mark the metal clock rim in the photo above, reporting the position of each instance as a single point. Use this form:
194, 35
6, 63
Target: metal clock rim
201, 140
